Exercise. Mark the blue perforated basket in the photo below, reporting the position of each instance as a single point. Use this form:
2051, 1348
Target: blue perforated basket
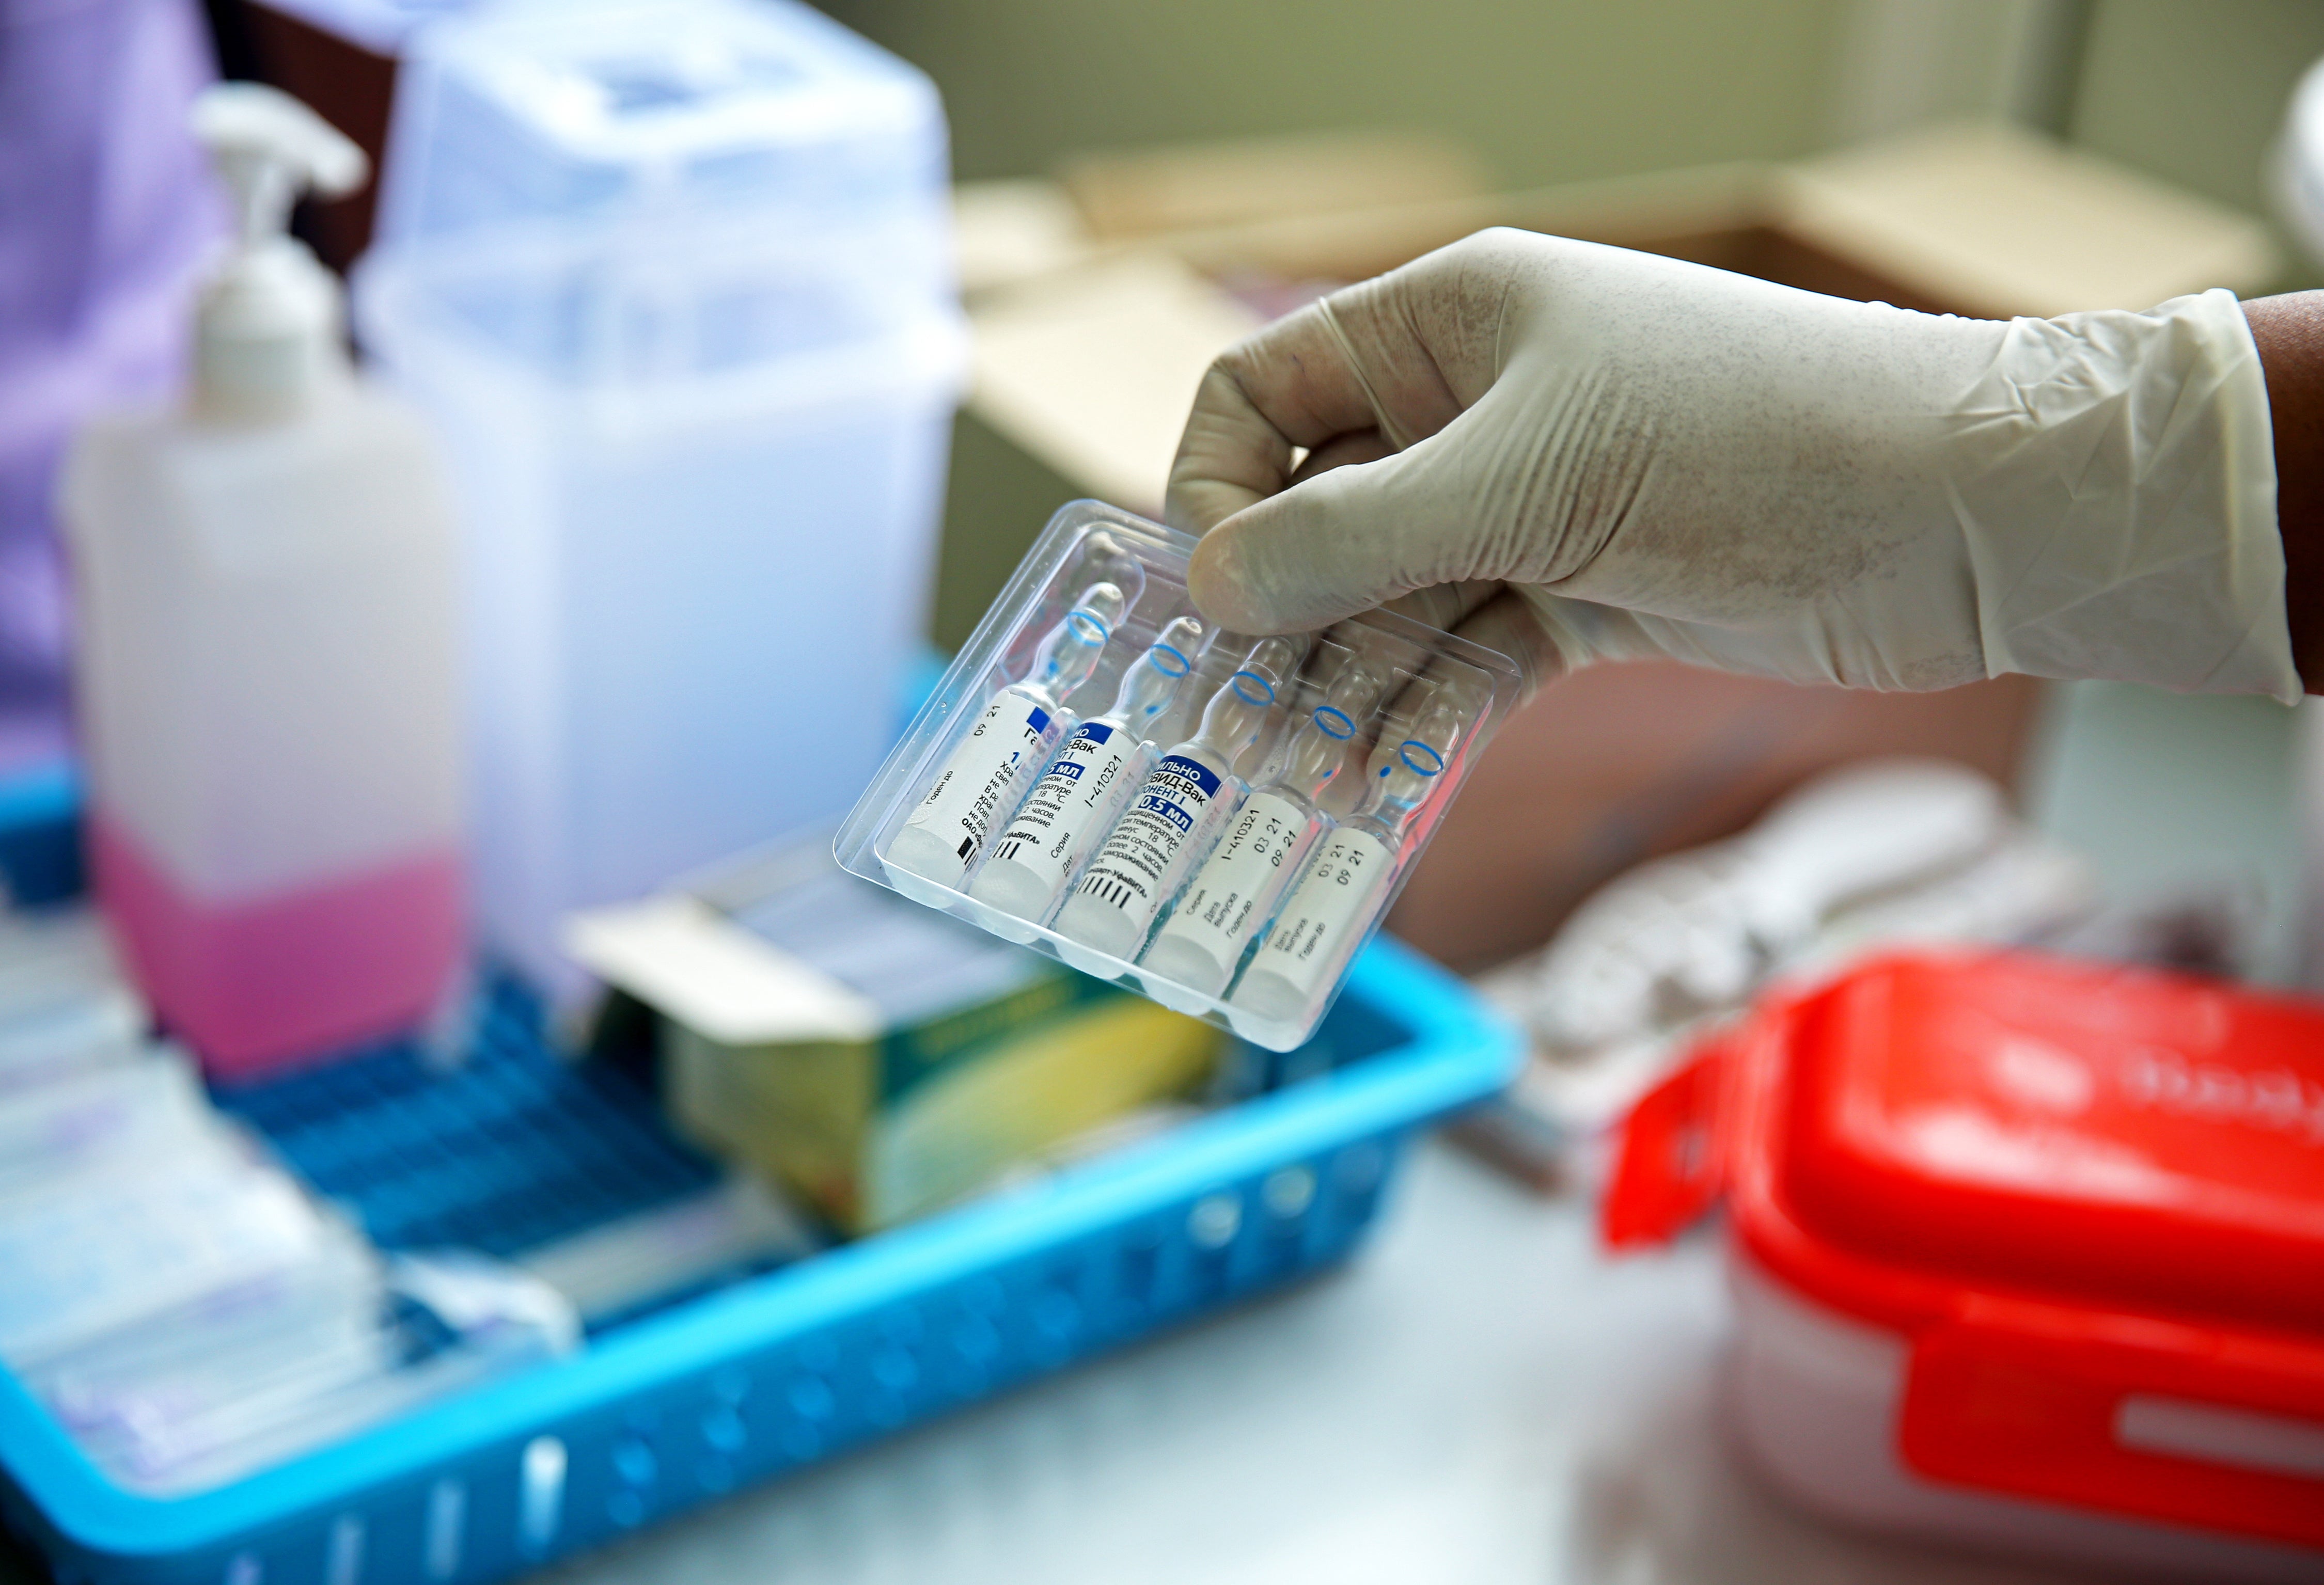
768, 1373
39, 832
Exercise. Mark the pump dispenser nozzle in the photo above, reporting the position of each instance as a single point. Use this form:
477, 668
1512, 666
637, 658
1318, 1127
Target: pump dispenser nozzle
266, 337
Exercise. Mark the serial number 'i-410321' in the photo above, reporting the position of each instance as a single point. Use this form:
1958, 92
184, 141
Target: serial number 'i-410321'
1130, 871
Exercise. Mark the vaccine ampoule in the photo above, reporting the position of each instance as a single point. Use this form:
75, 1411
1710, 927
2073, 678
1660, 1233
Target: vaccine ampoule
1238, 886
1076, 798
1176, 809
944, 834
1334, 900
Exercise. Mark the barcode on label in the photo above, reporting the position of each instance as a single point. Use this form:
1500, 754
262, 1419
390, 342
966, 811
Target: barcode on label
1107, 890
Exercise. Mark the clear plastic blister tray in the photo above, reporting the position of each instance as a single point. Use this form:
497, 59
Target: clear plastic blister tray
1216, 820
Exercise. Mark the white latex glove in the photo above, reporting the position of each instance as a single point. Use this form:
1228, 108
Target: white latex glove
1581, 452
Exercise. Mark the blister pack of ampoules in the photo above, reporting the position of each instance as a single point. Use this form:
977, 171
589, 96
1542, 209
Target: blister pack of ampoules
1218, 820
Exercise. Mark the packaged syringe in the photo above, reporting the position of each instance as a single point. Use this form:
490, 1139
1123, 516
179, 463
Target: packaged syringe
1218, 820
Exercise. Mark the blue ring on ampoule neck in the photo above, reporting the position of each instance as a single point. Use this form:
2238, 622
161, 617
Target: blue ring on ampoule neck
1265, 687
1334, 722
1156, 653
1078, 616
1435, 766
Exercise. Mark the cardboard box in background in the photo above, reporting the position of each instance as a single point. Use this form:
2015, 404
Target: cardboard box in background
1620, 763
1094, 330
1132, 195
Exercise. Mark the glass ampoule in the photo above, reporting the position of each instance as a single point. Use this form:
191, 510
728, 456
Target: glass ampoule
1078, 796
1333, 903
1176, 809
1235, 891
976, 788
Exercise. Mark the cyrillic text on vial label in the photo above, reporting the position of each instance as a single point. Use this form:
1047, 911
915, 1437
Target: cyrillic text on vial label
1132, 868
1242, 876
973, 787
1081, 782
1332, 903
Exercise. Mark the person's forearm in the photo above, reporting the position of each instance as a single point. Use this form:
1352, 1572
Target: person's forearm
2290, 333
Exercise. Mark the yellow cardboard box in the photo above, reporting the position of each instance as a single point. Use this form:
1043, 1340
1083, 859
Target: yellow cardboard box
873, 1057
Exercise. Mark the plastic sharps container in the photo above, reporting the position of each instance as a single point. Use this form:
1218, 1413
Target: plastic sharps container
675, 278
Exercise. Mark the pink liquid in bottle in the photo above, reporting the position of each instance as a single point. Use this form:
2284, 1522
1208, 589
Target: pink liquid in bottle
254, 984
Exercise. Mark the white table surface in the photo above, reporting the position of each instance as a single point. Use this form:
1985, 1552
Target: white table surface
1480, 1399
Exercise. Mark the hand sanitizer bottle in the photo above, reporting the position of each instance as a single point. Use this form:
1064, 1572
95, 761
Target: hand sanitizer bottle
1236, 890
1176, 811
1334, 900
987, 768
1085, 787
266, 665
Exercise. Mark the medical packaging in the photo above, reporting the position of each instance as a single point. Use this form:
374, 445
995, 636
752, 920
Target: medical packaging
1216, 820
185, 1308
875, 1059
64, 1010
1880, 855
265, 662
2026, 1253
675, 278
737, 1227
265, 1373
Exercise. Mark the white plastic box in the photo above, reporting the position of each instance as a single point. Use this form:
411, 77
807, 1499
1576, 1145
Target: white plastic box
1216, 820
675, 280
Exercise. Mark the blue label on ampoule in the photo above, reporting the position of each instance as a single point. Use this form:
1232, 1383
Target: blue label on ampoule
1154, 804
979, 782
1196, 771
1080, 786
1131, 873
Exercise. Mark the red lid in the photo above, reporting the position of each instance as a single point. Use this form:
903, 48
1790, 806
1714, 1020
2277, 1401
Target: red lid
2092, 1198
2069, 1130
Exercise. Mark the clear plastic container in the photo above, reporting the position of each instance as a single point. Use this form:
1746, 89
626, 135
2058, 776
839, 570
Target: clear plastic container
675, 281
610, 190
1218, 821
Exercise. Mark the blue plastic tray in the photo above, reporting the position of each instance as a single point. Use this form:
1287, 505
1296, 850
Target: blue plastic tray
773, 1372
39, 832
514, 1149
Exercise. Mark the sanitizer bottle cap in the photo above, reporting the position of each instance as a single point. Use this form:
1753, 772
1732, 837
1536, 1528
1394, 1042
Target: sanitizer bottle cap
267, 332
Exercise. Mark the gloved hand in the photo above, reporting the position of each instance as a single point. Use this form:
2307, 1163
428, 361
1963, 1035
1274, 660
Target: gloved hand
1577, 452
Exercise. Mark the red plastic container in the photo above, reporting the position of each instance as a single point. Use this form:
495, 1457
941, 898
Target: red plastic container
2027, 1253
